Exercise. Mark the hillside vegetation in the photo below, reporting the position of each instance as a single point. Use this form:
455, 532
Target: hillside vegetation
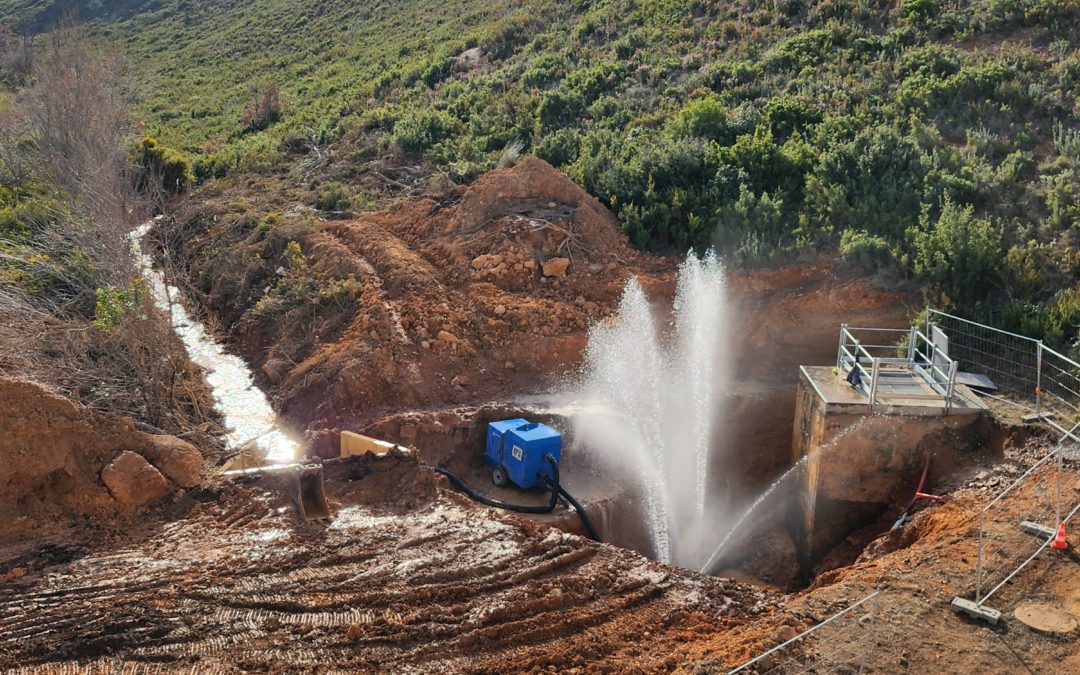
922, 138
75, 314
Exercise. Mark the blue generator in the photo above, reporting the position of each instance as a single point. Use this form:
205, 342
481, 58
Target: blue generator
516, 450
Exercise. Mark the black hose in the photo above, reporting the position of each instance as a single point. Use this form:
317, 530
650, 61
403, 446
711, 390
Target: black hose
553, 485
519, 508
582, 514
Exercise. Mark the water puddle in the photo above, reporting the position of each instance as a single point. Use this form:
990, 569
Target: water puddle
248, 415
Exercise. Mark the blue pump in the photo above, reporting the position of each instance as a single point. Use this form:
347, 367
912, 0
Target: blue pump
516, 451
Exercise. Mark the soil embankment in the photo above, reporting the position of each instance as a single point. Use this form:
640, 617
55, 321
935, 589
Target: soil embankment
60, 460
484, 294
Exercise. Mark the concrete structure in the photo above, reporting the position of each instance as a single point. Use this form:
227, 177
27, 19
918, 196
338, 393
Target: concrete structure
862, 454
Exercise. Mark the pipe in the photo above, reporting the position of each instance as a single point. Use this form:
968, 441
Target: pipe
553, 485
585, 520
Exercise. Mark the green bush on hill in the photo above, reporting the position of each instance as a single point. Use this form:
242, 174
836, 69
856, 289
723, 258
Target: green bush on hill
925, 135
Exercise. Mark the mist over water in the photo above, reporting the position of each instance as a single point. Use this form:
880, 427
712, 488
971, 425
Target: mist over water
660, 383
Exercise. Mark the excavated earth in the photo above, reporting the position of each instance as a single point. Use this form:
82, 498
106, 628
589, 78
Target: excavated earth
407, 324
482, 294
408, 577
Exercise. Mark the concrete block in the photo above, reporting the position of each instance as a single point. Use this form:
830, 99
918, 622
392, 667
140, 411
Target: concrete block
975, 611
1036, 530
1036, 417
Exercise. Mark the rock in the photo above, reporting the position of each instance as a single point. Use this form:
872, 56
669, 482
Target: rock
556, 267
480, 262
425, 344
446, 336
460, 381
786, 633
590, 307
133, 481
580, 301
500, 310
374, 335
530, 264
596, 268
180, 461
275, 370
354, 633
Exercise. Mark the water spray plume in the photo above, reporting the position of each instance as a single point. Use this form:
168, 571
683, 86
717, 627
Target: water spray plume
663, 395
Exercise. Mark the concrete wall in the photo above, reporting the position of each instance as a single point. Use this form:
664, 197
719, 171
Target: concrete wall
857, 464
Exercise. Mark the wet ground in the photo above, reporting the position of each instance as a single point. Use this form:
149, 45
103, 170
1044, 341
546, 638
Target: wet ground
406, 578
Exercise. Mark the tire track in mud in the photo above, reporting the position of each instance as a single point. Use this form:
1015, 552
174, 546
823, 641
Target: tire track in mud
446, 588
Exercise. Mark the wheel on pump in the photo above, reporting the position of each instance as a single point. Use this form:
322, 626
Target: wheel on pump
499, 476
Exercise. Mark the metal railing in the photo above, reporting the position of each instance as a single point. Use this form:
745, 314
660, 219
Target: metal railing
837, 644
894, 356
1026, 372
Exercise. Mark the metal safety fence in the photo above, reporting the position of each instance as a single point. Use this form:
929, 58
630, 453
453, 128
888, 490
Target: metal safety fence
1021, 521
838, 644
1024, 371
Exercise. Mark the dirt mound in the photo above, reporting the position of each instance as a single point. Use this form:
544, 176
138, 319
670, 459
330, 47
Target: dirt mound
429, 302
54, 453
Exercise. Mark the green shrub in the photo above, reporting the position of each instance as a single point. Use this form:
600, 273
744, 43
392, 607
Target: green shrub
802, 50
333, 197
866, 250
873, 181
113, 304
558, 109
705, 117
919, 12
419, 131
156, 162
958, 254
786, 114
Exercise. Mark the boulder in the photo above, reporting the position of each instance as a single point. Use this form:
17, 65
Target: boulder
133, 481
275, 370
556, 267
180, 461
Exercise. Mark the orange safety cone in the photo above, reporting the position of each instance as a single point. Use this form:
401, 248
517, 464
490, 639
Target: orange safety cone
1059, 539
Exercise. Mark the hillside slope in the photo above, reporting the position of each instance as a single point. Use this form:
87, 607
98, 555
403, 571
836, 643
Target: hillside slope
925, 138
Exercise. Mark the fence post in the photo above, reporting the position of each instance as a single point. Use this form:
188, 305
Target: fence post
1057, 485
979, 560
951, 387
1038, 379
840, 349
911, 347
873, 381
